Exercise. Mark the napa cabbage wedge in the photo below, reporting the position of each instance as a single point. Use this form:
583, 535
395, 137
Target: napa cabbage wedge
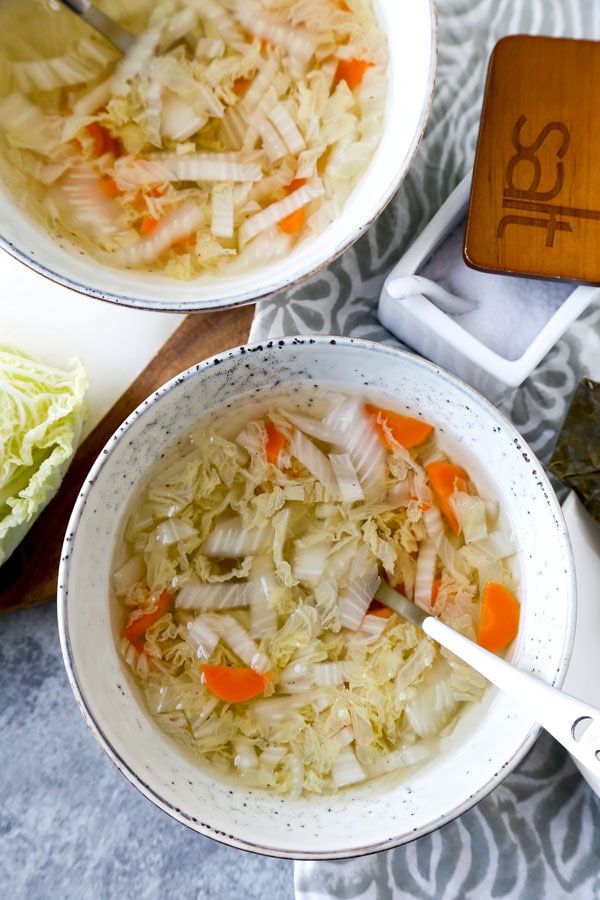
42, 411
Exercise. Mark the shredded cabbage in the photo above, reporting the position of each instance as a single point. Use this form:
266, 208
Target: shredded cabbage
227, 118
42, 410
275, 571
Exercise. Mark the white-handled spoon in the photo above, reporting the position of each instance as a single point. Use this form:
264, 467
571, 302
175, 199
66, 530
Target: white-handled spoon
574, 723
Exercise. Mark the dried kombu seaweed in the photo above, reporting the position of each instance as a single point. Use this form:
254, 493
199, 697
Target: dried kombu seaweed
576, 457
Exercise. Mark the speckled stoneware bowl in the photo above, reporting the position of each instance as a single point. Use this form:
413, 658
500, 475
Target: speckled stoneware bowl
490, 738
411, 31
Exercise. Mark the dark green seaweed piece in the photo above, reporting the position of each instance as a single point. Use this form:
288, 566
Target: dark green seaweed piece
576, 456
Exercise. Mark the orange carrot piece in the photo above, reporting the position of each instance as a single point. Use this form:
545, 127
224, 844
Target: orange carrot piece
499, 619
293, 222
136, 628
445, 478
103, 141
296, 219
351, 71
264, 42
275, 443
233, 684
241, 85
406, 430
295, 184
109, 186
435, 590
148, 224
186, 241
378, 609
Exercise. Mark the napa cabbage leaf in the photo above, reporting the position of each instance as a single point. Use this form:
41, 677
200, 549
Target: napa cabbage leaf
42, 411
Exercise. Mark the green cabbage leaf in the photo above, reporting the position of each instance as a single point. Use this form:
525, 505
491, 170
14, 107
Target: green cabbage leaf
42, 411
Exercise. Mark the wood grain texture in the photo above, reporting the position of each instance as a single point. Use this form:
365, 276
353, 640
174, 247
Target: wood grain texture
535, 197
29, 575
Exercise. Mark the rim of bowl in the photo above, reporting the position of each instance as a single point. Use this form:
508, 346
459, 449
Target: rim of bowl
280, 279
153, 794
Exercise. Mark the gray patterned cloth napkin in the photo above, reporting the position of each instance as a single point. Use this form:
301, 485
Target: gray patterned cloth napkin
537, 836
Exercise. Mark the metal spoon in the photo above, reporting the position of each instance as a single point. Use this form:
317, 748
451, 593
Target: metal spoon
574, 724
173, 106
112, 31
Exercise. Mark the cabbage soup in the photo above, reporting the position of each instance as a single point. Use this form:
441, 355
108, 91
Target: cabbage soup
229, 132
245, 586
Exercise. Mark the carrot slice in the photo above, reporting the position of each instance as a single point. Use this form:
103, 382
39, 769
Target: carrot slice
435, 590
446, 478
185, 242
241, 85
351, 71
378, 609
233, 684
134, 631
294, 184
103, 141
406, 430
148, 224
293, 222
499, 619
109, 186
275, 443
296, 219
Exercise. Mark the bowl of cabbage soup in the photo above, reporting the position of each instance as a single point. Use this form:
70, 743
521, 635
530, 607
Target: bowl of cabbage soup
234, 149
217, 596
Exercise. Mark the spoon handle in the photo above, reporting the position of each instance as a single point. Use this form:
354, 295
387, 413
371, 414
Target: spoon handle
115, 33
402, 286
574, 724
78, 6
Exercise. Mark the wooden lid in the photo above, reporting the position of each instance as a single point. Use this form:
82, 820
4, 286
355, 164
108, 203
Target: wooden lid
535, 199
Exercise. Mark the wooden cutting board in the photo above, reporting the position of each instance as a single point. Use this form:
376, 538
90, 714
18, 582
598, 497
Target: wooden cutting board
29, 576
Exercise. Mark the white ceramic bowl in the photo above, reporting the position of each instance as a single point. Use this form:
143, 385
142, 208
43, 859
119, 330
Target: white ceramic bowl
412, 39
490, 738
